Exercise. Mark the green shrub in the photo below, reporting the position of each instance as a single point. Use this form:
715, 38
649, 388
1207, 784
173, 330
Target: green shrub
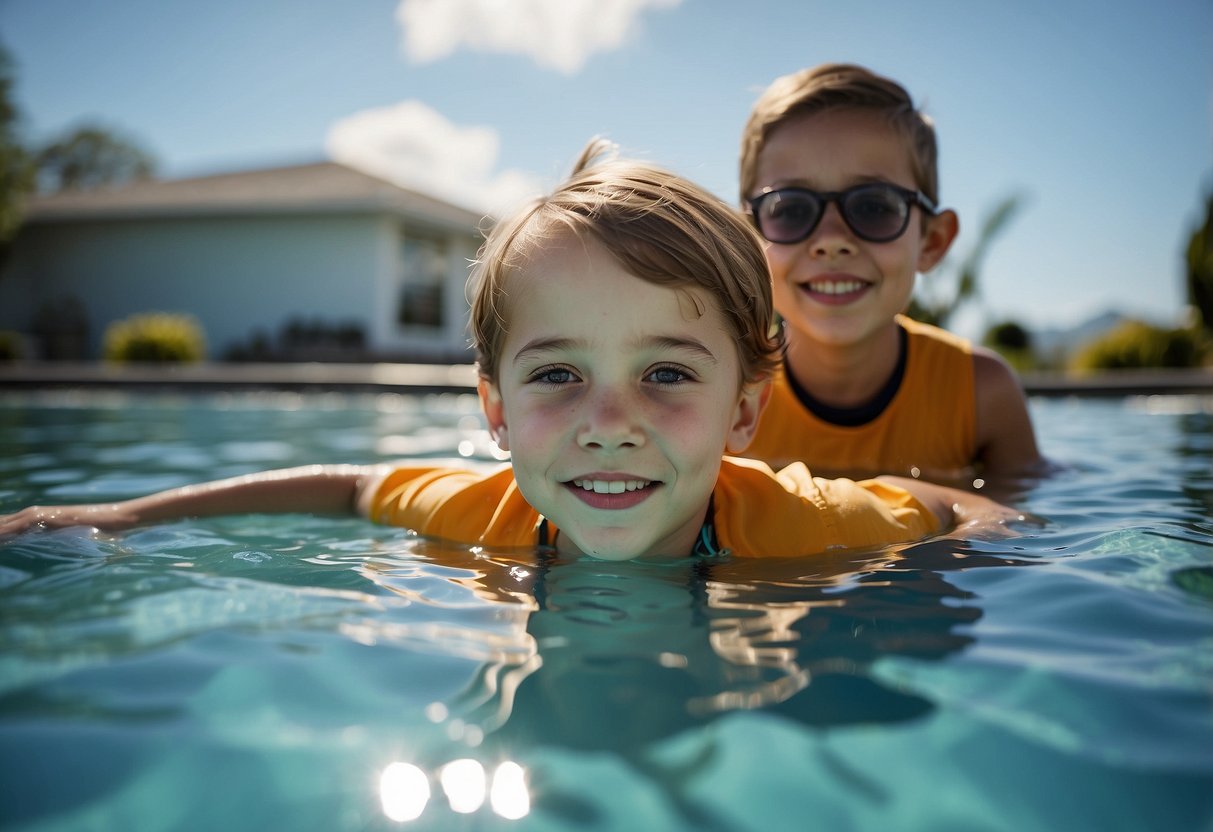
157, 337
1137, 345
10, 346
1013, 343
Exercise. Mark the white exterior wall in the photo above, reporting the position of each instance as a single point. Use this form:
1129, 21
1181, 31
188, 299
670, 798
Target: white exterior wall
235, 275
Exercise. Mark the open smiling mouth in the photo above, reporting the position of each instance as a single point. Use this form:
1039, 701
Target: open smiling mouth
612, 494
834, 288
612, 486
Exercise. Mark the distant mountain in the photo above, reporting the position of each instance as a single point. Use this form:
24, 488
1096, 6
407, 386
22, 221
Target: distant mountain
1055, 341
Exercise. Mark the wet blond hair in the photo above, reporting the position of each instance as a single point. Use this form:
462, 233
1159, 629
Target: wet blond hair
840, 87
658, 226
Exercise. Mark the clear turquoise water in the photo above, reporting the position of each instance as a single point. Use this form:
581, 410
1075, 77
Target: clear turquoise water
286, 672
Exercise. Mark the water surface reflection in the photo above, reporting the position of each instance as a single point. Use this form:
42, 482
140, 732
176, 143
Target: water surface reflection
648, 649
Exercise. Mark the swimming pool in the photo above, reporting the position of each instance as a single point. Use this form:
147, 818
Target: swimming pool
301, 672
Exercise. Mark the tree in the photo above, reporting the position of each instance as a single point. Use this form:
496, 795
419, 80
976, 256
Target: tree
1200, 268
90, 157
16, 169
1013, 342
1009, 335
929, 304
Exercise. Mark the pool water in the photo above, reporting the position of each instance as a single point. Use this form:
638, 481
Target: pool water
300, 672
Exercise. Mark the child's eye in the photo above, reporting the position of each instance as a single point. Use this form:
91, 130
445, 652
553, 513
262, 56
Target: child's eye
553, 375
668, 375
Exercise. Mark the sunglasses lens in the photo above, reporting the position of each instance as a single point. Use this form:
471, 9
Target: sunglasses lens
877, 214
787, 216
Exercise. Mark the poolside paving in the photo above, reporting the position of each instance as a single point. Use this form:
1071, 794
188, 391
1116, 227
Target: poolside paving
384, 377
461, 378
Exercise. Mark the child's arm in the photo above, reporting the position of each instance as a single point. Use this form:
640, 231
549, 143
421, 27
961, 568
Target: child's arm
321, 489
957, 510
1006, 442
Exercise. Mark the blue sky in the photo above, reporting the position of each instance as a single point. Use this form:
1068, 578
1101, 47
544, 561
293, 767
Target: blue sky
1098, 114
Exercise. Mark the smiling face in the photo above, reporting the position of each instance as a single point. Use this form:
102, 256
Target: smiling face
834, 288
616, 399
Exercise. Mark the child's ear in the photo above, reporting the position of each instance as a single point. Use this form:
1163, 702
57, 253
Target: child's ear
745, 417
494, 412
937, 238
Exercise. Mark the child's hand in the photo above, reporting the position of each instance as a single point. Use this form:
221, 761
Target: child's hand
963, 514
107, 516
978, 517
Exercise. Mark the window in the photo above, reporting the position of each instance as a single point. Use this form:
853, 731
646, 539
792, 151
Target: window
423, 285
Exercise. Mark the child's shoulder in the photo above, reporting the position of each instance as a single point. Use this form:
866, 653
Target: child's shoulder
929, 333
992, 376
416, 496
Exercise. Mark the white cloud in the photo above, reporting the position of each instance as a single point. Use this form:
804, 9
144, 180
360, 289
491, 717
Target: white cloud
414, 146
557, 34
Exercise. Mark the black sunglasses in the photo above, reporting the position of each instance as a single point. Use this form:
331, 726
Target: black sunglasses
876, 212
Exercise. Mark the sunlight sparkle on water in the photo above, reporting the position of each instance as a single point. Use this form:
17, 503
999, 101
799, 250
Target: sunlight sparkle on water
404, 790
509, 795
464, 783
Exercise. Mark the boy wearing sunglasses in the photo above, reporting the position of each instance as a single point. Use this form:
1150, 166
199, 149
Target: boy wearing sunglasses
622, 353
839, 176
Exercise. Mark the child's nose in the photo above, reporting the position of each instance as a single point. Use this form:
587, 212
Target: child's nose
832, 236
610, 422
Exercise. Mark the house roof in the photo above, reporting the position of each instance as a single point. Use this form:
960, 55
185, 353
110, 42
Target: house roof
323, 187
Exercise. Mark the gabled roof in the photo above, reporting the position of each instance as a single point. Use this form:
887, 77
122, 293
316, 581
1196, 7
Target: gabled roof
323, 187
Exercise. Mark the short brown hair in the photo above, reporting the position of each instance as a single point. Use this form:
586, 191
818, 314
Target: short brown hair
840, 87
660, 227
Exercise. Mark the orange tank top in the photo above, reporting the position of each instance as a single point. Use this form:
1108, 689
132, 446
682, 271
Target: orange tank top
928, 425
757, 512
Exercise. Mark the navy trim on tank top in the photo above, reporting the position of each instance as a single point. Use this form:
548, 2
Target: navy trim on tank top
853, 417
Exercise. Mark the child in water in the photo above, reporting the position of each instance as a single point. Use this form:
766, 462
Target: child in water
624, 334
839, 174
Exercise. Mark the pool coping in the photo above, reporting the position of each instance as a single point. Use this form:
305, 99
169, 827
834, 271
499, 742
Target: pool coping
461, 378
383, 377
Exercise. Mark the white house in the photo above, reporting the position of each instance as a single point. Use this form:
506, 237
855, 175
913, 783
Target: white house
249, 255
